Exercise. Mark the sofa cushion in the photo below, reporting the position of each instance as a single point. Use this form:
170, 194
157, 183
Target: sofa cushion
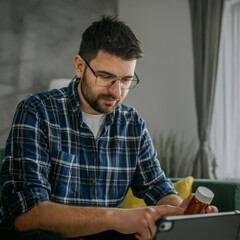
131, 201
184, 186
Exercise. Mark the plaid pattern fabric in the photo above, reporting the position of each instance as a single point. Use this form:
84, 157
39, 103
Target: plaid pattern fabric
52, 155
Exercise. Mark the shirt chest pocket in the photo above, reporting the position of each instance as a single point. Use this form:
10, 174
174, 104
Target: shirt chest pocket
64, 175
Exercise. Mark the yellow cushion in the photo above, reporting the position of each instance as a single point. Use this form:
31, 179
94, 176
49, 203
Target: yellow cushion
183, 187
131, 201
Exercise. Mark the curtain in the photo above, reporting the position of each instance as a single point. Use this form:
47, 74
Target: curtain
206, 19
225, 132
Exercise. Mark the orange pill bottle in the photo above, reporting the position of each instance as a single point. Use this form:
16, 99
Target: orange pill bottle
202, 198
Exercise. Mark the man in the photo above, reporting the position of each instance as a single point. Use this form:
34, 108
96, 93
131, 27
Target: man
73, 153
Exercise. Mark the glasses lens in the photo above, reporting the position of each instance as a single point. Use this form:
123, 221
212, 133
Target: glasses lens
109, 81
129, 84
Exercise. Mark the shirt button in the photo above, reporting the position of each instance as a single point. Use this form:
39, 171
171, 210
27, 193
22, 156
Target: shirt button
93, 181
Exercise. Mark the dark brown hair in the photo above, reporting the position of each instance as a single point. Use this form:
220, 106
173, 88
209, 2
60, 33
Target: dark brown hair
112, 36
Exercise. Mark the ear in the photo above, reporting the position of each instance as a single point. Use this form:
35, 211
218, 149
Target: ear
79, 65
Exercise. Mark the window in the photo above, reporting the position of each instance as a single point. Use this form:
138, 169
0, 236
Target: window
225, 131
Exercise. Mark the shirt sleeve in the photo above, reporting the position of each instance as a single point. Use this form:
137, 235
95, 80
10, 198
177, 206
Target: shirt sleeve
150, 182
24, 175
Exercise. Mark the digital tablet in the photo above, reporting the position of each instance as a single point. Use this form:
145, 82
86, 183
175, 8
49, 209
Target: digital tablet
220, 226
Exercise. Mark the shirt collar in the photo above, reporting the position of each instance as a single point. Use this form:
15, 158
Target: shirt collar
73, 95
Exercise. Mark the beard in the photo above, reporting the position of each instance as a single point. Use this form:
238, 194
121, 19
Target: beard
94, 100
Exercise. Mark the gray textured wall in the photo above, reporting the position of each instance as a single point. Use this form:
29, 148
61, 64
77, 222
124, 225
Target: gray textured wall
38, 41
165, 95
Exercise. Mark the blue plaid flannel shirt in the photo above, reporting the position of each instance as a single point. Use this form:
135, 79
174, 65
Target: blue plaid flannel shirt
52, 155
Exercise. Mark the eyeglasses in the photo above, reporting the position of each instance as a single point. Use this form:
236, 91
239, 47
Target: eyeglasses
107, 80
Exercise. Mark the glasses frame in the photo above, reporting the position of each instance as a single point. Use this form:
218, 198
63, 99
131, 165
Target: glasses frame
113, 81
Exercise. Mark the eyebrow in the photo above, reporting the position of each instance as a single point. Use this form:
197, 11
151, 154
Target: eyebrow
111, 74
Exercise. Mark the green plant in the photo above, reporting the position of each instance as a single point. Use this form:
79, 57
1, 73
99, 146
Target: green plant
175, 159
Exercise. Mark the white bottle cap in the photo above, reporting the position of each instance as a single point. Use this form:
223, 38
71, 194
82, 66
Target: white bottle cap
204, 195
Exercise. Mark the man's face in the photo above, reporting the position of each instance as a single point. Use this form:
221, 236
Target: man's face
96, 99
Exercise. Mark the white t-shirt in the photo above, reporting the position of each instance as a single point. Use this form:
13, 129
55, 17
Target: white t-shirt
95, 123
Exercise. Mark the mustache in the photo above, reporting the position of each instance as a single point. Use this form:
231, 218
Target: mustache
110, 97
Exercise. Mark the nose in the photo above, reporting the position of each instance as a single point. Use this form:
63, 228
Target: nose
115, 89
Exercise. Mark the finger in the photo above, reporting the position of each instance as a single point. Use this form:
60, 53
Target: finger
211, 209
138, 236
145, 234
151, 227
154, 231
168, 210
186, 201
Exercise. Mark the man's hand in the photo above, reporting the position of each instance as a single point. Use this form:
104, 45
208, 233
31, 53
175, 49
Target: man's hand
141, 221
